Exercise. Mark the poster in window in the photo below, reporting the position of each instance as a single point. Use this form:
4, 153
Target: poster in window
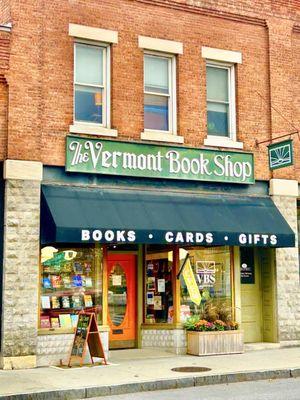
247, 265
157, 303
161, 285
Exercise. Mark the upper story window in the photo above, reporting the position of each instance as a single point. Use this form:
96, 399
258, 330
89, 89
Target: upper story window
220, 97
220, 93
90, 83
92, 80
159, 93
160, 120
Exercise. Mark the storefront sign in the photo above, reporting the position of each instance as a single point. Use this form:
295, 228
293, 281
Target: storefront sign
280, 154
200, 238
153, 161
191, 283
206, 273
247, 266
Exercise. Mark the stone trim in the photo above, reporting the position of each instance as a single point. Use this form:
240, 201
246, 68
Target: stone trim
222, 55
162, 137
88, 32
24, 170
92, 129
220, 141
167, 46
284, 187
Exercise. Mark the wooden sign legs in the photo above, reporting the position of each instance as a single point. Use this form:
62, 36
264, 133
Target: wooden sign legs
86, 334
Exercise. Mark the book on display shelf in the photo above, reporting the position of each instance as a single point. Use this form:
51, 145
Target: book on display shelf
65, 321
54, 322
55, 302
45, 321
45, 302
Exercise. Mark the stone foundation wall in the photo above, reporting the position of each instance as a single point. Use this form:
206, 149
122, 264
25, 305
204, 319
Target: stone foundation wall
53, 348
20, 268
287, 271
173, 340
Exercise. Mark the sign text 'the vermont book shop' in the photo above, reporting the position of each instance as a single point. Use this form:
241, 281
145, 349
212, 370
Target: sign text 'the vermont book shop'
146, 160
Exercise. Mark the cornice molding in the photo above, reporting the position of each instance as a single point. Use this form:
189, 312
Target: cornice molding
206, 11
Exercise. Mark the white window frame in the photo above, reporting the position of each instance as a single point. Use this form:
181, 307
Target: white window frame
172, 122
105, 86
231, 99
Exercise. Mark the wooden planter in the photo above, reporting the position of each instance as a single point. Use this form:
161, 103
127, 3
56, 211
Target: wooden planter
210, 343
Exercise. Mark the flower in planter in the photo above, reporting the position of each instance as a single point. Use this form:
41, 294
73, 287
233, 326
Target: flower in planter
194, 323
204, 325
220, 325
232, 326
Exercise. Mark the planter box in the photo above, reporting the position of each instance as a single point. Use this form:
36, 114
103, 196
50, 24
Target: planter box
210, 343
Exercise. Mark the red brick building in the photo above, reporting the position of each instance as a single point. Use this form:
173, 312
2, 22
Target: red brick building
220, 75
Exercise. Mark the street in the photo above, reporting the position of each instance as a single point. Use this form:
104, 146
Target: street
281, 389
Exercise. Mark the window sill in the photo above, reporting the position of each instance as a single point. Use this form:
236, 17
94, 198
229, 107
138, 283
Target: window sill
93, 129
221, 141
160, 136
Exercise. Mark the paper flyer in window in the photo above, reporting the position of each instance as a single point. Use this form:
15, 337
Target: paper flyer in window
161, 285
150, 298
157, 303
117, 280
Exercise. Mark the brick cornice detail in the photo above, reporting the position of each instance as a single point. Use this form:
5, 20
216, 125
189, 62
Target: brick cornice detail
205, 11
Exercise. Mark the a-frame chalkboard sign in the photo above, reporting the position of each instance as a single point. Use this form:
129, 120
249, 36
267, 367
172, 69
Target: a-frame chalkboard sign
86, 334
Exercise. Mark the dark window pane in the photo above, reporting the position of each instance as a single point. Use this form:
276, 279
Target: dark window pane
156, 112
88, 104
217, 119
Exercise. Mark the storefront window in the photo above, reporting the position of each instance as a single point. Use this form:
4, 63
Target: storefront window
212, 293
158, 282
71, 281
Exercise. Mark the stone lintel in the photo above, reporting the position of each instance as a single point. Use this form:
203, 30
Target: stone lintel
284, 187
21, 362
24, 170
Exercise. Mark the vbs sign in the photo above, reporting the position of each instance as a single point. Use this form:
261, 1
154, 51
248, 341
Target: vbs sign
109, 157
280, 154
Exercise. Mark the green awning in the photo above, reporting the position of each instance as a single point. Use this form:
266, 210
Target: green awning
82, 214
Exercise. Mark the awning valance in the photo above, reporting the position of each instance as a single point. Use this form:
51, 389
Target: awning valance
82, 214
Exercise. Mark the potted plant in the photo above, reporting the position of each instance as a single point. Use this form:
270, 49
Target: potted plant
213, 331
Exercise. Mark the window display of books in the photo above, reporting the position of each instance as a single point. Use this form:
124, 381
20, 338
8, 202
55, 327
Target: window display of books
68, 285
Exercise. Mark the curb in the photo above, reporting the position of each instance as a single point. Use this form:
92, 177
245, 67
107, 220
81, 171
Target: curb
163, 384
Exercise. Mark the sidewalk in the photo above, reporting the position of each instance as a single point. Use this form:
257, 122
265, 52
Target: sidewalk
140, 370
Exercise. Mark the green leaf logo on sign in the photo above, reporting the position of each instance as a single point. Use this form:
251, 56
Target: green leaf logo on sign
280, 154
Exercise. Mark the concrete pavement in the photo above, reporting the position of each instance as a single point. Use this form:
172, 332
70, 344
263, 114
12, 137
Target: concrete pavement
142, 370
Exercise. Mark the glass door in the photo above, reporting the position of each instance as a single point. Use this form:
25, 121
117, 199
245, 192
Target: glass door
122, 300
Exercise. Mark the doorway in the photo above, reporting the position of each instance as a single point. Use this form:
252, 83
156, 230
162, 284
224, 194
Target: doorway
121, 271
258, 295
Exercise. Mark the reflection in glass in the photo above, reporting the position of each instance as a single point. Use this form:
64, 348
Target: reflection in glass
217, 119
212, 271
88, 104
117, 295
156, 112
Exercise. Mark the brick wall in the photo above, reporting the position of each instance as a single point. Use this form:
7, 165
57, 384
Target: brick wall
41, 68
